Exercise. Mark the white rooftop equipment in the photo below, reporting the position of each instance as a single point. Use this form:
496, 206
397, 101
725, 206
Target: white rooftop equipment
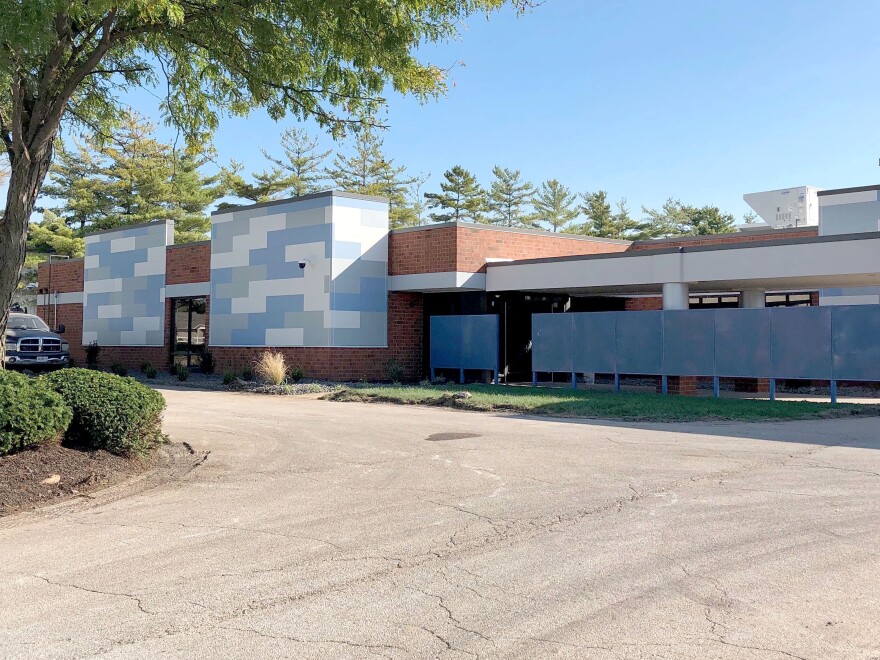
787, 207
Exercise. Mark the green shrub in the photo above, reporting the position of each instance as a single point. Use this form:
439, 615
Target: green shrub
119, 369
207, 365
297, 373
394, 370
30, 412
247, 374
149, 370
110, 412
229, 377
181, 371
92, 352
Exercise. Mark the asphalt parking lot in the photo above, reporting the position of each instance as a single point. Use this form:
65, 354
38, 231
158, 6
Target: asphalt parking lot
331, 530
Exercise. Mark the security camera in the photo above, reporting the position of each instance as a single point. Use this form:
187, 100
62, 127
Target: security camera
302, 263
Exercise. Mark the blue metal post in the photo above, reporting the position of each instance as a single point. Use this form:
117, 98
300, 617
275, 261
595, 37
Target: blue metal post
617, 382
773, 389
534, 379
433, 374
574, 380
716, 387
461, 376
496, 376
833, 391
664, 384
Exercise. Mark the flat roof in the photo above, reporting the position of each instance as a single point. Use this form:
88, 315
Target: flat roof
841, 191
514, 230
301, 198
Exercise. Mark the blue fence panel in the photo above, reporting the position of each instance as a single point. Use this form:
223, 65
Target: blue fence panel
689, 343
742, 343
552, 342
479, 342
639, 342
800, 342
855, 337
446, 342
464, 342
593, 342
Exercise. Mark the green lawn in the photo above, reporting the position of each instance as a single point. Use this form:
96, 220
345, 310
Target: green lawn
598, 405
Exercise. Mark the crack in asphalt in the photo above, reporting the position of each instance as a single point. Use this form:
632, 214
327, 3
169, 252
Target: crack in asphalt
132, 597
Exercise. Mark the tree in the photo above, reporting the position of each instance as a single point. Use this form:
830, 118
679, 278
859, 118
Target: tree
369, 172
677, 219
303, 162
461, 196
508, 198
555, 205
267, 186
131, 179
190, 194
136, 173
599, 217
52, 235
416, 200
67, 62
75, 180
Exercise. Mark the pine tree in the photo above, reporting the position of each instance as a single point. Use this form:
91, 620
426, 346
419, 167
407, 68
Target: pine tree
76, 181
677, 219
303, 162
555, 205
191, 193
461, 195
52, 235
508, 198
130, 178
267, 186
369, 172
599, 217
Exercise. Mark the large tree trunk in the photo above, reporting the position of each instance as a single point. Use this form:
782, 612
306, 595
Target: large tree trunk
25, 181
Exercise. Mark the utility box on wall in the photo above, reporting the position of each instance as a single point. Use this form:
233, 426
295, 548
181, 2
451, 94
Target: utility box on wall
310, 271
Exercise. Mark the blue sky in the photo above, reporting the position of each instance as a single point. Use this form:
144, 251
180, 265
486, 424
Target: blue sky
702, 101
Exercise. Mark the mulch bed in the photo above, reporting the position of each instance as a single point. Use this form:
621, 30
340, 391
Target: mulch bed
77, 472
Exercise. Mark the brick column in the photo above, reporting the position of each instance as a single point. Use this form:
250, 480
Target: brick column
684, 385
755, 385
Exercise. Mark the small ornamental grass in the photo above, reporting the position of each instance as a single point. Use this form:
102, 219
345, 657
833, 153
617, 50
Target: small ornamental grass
31, 412
271, 367
109, 412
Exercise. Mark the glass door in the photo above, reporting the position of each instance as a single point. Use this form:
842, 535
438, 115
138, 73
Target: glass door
189, 331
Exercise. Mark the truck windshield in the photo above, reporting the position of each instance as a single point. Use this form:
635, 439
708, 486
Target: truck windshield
26, 322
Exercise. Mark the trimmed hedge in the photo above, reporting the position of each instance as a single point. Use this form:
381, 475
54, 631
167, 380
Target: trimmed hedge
30, 412
110, 412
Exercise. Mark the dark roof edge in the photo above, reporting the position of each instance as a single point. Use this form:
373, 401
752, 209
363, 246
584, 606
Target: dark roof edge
190, 244
124, 227
841, 191
514, 230
301, 198
745, 245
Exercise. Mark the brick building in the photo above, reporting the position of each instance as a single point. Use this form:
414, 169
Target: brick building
322, 279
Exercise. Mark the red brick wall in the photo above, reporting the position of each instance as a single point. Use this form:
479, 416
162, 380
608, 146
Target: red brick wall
721, 239
71, 316
429, 250
188, 263
465, 249
67, 276
405, 328
643, 304
475, 245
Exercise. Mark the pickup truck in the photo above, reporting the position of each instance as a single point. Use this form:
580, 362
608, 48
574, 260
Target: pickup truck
30, 343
